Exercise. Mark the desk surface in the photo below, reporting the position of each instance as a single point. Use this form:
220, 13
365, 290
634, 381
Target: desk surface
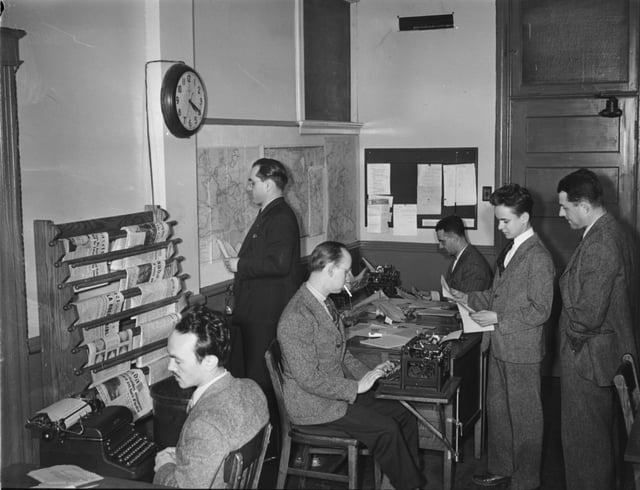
632, 452
15, 476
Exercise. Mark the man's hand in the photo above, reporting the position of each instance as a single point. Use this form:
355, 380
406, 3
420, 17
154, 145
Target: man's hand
367, 381
231, 264
485, 318
459, 296
167, 455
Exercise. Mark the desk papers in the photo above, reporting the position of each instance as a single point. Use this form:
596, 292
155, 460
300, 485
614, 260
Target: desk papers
63, 476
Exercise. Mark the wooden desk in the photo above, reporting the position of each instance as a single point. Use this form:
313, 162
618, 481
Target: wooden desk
632, 451
445, 404
15, 476
466, 363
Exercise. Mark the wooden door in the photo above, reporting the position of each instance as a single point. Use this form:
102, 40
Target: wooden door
550, 138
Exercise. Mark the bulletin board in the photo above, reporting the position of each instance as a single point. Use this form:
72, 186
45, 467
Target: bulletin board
404, 165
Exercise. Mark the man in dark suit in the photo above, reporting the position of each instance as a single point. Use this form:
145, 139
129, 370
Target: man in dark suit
596, 329
324, 384
469, 270
518, 304
267, 272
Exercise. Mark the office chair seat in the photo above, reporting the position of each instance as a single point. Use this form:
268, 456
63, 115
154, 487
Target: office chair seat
313, 440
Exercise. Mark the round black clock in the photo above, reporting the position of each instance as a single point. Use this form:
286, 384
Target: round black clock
183, 99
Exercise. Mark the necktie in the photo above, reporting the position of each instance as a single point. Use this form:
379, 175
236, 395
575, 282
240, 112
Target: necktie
503, 255
333, 311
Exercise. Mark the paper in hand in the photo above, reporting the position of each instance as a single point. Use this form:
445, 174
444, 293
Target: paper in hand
226, 249
446, 290
469, 325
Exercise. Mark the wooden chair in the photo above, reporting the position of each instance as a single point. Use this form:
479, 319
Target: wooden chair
313, 440
242, 467
626, 382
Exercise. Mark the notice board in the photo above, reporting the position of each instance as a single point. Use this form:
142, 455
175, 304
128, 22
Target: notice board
437, 181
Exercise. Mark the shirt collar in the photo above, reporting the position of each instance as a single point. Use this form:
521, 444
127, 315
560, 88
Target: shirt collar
201, 389
519, 240
586, 230
317, 294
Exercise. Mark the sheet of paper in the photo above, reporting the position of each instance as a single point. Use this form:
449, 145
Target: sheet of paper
446, 290
460, 184
468, 324
379, 178
430, 188
405, 219
379, 213
386, 341
64, 474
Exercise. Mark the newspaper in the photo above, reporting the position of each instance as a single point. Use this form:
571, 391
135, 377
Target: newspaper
142, 234
158, 370
140, 274
129, 389
154, 331
85, 245
148, 316
143, 258
87, 271
109, 347
99, 306
155, 291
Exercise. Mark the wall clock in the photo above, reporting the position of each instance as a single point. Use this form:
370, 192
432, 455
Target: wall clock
183, 99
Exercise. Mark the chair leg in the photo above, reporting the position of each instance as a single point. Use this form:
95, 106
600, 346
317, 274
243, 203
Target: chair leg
306, 464
284, 462
353, 467
377, 474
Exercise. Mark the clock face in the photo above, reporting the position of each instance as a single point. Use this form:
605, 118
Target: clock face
183, 99
190, 100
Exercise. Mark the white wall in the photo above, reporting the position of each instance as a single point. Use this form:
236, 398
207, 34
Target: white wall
432, 88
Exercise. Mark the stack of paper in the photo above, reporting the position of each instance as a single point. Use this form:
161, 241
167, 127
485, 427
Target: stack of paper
63, 476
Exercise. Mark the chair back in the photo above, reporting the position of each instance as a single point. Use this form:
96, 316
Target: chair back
626, 382
273, 359
243, 467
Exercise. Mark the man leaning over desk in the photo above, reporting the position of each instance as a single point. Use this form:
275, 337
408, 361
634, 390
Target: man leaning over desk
324, 384
469, 270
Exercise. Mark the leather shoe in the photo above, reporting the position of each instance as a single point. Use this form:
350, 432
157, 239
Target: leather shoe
490, 480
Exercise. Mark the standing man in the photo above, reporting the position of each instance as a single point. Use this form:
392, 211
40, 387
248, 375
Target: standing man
224, 412
469, 270
267, 271
325, 385
517, 305
596, 329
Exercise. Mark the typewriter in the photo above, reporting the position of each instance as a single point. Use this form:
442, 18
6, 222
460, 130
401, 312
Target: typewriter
99, 439
422, 364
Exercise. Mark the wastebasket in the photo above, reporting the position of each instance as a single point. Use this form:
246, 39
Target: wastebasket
169, 410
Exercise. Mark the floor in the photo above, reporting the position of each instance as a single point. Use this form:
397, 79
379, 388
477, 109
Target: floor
552, 472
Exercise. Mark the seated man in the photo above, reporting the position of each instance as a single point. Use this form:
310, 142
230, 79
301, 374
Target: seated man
224, 412
469, 270
325, 385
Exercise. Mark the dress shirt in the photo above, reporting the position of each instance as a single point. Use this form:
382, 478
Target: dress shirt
455, 262
517, 241
201, 389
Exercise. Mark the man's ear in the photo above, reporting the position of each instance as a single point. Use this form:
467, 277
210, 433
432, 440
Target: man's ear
210, 362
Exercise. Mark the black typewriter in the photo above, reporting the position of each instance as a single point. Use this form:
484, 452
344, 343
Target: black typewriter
422, 364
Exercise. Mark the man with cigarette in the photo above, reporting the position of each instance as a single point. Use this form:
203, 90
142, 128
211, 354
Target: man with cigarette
325, 385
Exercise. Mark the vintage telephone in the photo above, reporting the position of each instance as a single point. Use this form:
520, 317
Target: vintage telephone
97, 438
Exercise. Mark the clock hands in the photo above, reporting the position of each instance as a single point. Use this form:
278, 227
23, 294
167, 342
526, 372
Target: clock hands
195, 107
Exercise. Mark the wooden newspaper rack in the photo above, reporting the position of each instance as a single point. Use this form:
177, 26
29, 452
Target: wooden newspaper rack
65, 369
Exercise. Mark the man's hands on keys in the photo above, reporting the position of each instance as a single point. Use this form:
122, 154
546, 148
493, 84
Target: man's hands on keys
367, 381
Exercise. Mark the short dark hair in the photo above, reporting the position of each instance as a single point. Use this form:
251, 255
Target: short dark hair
582, 185
211, 331
451, 224
513, 196
326, 253
268, 168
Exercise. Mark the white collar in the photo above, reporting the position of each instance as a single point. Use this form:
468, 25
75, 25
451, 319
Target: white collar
201, 389
586, 230
517, 241
318, 295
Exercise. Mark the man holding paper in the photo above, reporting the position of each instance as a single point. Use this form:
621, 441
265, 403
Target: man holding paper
517, 304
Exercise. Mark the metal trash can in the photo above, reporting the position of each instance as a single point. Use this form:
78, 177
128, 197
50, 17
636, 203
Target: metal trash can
169, 410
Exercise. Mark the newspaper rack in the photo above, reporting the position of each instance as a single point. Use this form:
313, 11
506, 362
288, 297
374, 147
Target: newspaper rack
61, 331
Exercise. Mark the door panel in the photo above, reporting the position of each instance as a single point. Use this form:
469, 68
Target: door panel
553, 137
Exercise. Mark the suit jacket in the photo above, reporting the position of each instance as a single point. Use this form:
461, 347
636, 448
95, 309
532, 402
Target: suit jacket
472, 272
318, 369
521, 296
227, 416
598, 292
269, 273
